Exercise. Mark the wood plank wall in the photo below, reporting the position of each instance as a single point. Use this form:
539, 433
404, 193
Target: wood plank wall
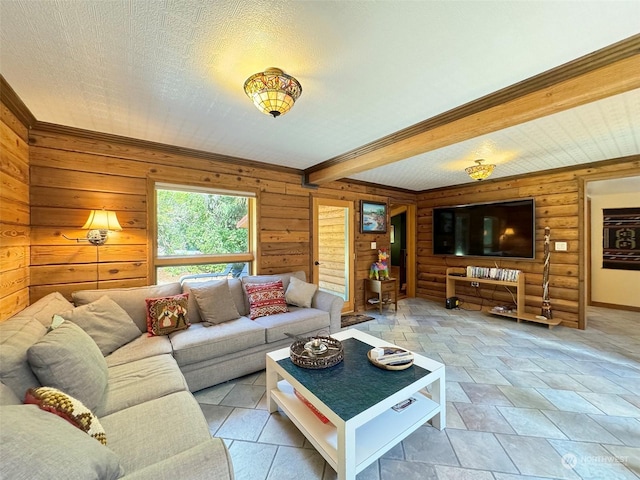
14, 214
73, 172
332, 225
557, 206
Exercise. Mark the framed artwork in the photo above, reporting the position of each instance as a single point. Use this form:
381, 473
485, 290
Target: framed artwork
373, 217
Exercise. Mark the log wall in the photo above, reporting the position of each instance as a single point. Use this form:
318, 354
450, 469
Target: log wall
73, 172
14, 214
557, 198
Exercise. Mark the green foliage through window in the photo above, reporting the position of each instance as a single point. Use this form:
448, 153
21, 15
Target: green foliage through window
194, 223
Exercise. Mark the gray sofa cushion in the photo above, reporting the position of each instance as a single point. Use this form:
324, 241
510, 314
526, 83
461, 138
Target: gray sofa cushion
38, 444
68, 359
8, 396
16, 336
106, 322
44, 309
297, 321
132, 300
214, 301
140, 381
142, 347
155, 430
208, 460
201, 343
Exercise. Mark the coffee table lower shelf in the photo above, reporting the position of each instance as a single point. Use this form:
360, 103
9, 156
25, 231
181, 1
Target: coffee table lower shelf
373, 438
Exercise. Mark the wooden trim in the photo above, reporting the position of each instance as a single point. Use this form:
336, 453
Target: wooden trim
10, 98
628, 308
607, 72
203, 259
583, 273
589, 239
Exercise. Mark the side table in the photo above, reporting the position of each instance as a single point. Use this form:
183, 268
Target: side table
384, 290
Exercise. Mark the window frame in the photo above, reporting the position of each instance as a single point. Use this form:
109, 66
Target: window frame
154, 261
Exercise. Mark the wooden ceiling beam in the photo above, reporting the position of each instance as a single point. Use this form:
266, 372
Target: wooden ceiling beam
609, 72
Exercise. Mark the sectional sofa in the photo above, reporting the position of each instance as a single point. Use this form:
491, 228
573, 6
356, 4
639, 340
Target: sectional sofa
136, 388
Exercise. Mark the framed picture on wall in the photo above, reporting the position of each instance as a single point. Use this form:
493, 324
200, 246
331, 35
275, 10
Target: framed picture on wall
373, 217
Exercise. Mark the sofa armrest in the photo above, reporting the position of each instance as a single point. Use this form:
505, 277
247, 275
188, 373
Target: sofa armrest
206, 461
329, 303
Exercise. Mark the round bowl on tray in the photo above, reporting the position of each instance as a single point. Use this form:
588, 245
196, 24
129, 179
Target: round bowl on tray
316, 352
402, 365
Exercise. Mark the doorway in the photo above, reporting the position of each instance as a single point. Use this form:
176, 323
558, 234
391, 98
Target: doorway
403, 248
333, 248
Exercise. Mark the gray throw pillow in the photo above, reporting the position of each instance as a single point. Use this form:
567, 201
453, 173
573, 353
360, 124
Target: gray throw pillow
215, 302
68, 359
16, 336
300, 293
106, 322
132, 300
39, 444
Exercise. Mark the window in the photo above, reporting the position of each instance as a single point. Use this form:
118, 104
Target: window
200, 230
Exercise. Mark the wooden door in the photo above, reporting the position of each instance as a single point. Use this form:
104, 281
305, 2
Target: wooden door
333, 248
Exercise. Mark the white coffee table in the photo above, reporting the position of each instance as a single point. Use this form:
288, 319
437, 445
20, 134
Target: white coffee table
357, 398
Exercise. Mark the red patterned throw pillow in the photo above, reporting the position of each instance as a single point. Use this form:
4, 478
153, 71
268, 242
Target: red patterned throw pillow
167, 314
266, 299
71, 409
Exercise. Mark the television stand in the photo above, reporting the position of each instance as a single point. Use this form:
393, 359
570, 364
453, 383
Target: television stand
453, 276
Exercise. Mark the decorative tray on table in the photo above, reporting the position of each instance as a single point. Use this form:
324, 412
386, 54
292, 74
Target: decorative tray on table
316, 352
392, 358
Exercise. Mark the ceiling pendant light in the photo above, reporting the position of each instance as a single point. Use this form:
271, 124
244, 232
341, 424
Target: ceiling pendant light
273, 92
480, 171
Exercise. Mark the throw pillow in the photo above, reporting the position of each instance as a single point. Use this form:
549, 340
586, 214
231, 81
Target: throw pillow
214, 301
106, 322
167, 314
68, 359
300, 293
36, 444
71, 409
265, 299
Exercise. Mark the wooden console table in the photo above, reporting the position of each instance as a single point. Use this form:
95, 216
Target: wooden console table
519, 314
382, 289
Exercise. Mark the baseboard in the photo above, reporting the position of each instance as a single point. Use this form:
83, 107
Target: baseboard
614, 306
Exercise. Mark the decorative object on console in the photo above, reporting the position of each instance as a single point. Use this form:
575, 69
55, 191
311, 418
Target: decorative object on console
480, 171
546, 303
380, 270
99, 224
273, 92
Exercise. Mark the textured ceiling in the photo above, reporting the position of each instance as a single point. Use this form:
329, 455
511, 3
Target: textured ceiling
172, 72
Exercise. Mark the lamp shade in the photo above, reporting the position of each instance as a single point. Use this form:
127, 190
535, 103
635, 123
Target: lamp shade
273, 92
102, 220
479, 171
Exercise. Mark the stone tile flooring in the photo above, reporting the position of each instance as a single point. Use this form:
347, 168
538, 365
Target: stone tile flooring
523, 402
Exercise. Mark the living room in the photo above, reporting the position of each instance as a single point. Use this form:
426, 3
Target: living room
53, 174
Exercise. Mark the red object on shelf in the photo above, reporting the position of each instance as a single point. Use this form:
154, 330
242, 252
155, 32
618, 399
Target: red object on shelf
316, 412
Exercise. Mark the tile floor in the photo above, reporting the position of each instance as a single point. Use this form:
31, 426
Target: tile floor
523, 402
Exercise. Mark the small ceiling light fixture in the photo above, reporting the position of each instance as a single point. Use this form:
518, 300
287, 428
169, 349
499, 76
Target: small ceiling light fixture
99, 224
273, 92
480, 171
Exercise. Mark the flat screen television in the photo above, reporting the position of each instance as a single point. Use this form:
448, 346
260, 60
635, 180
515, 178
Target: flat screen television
498, 229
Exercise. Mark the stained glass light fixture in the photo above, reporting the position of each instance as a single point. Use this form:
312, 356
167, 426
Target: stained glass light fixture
273, 92
480, 171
